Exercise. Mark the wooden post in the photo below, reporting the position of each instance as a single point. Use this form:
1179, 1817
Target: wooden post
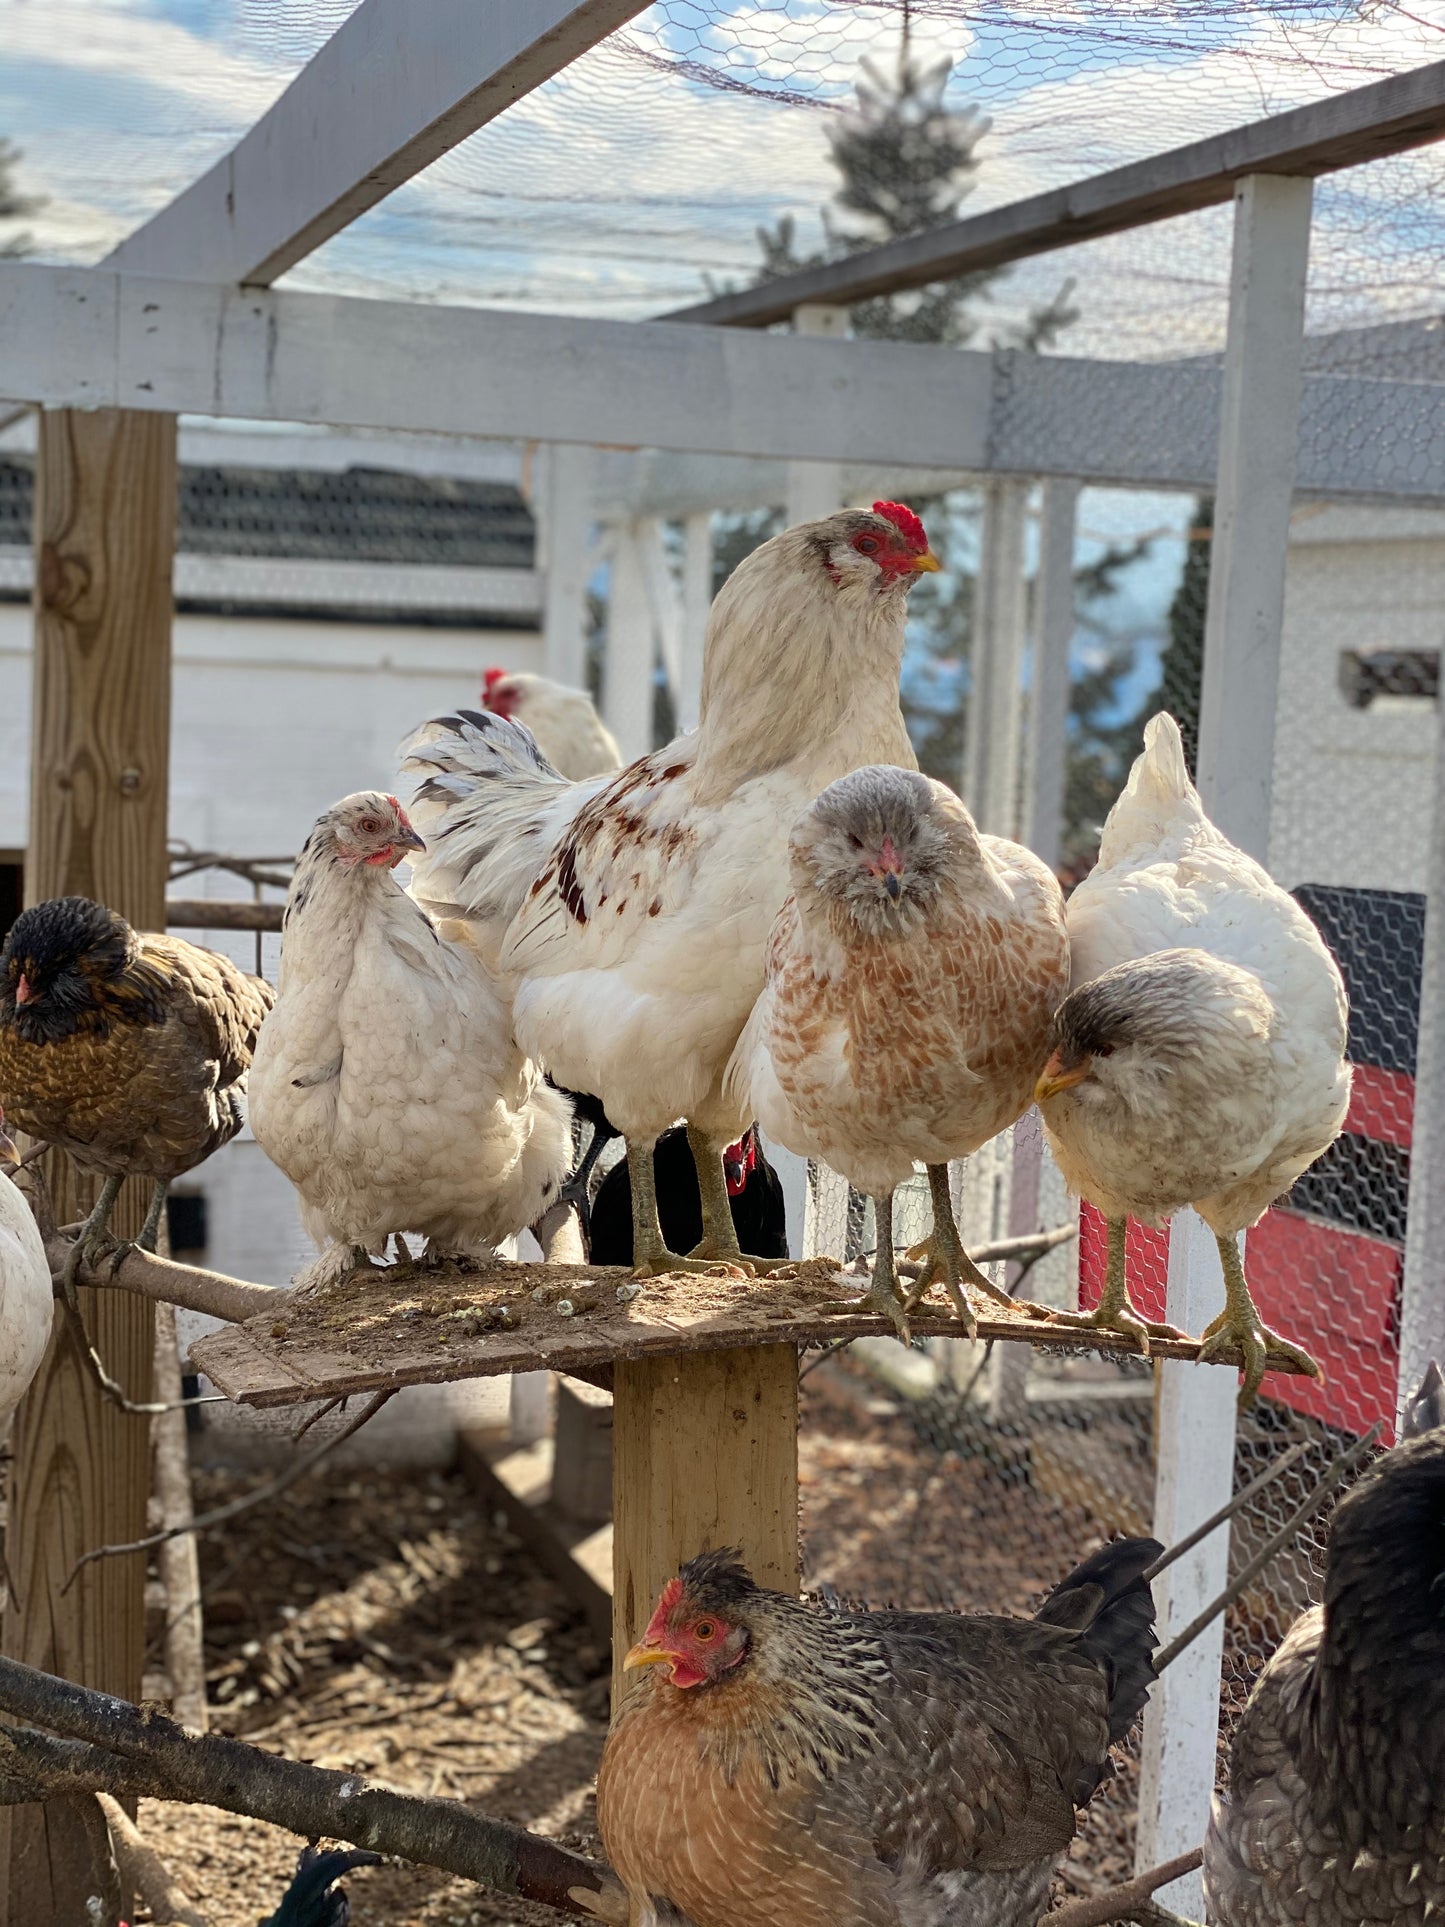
995, 701
1422, 1315
1258, 440
105, 511
1053, 631
815, 489
704, 1453
696, 602
565, 502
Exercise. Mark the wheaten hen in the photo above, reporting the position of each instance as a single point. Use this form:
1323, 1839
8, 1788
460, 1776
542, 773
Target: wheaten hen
568, 730
632, 912
911, 977
386, 1083
1199, 1058
27, 1298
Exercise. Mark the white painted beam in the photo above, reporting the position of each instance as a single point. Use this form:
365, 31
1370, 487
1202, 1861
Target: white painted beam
815, 489
86, 338
1258, 438
697, 565
1053, 632
662, 599
1422, 1317
563, 503
995, 701
631, 646
397, 85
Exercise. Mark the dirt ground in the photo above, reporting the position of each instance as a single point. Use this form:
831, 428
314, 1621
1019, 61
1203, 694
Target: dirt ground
389, 1624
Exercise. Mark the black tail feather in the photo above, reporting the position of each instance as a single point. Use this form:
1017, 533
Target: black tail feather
1107, 1601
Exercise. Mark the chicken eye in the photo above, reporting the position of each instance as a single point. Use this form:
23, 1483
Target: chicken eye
704, 1630
854, 842
867, 544
369, 826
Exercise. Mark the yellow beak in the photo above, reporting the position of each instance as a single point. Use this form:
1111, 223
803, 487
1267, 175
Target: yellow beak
926, 564
1058, 1078
644, 1655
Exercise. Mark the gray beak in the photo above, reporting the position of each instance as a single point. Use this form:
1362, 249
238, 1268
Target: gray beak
892, 885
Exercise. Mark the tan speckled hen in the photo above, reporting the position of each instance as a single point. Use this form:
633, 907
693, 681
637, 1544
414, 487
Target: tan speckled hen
911, 979
1335, 1810
128, 1050
784, 1765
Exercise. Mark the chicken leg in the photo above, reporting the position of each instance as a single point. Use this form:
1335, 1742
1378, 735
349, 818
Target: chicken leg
943, 1256
87, 1241
1240, 1324
719, 1240
650, 1255
883, 1295
1113, 1313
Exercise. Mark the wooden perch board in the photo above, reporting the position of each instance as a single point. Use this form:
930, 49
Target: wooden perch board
414, 1326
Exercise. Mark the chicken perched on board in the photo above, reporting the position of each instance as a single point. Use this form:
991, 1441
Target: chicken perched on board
387, 1083
129, 1050
27, 1298
1335, 1813
632, 912
1199, 1058
786, 1765
911, 977
569, 732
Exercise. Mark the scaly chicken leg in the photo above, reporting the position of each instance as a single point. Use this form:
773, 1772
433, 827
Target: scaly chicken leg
1114, 1313
719, 1240
87, 1240
1240, 1324
943, 1256
650, 1255
884, 1294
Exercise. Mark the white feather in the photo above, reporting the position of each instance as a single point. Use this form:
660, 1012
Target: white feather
27, 1302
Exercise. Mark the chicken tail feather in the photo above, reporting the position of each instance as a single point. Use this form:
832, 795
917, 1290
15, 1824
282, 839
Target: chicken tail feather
1108, 1603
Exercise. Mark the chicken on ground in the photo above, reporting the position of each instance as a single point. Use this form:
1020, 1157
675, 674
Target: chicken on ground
1335, 1809
127, 1050
387, 1083
632, 912
1199, 1058
911, 978
788, 1765
27, 1297
568, 730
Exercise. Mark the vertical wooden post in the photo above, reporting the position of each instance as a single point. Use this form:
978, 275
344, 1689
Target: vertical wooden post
565, 502
105, 511
815, 489
1053, 631
696, 602
995, 700
1422, 1314
704, 1453
1258, 443
627, 676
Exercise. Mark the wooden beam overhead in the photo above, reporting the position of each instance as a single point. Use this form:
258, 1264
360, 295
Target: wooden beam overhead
1387, 117
88, 338
395, 86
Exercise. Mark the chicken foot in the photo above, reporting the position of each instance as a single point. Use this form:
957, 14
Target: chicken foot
88, 1239
1240, 1324
650, 1255
1113, 1313
943, 1256
148, 1238
719, 1240
884, 1295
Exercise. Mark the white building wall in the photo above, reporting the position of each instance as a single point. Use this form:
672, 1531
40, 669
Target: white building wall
1353, 786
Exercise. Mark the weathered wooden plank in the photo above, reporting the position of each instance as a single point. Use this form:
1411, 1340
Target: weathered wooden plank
394, 87
1387, 117
704, 1454
80, 1473
438, 1327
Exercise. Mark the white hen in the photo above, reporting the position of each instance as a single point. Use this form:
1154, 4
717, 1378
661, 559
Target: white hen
639, 905
1199, 1058
567, 728
386, 1082
27, 1299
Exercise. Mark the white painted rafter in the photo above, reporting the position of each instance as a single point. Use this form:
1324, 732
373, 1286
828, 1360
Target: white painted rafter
398, 84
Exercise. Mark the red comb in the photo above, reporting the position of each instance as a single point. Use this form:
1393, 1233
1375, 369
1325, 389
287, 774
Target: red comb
906, 522
667, 1601
490, 679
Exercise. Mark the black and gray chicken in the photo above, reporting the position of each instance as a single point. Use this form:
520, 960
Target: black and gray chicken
1335, 1811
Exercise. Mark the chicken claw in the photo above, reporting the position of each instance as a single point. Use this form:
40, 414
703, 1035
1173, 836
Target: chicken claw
1240, 1324
883, 1295
719, 1240
1113, 1312
943, 1257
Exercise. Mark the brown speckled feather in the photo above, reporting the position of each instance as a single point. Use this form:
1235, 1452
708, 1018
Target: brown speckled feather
157, 1085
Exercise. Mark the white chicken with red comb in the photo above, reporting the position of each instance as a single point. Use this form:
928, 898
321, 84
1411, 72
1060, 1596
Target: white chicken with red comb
569, 732
386, 1082
632, 912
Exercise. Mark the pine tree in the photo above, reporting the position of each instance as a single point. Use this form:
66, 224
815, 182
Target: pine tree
1182, 665
13, 204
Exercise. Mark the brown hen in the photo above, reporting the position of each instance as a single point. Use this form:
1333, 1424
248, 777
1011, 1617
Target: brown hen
789, 1766
128, 1050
